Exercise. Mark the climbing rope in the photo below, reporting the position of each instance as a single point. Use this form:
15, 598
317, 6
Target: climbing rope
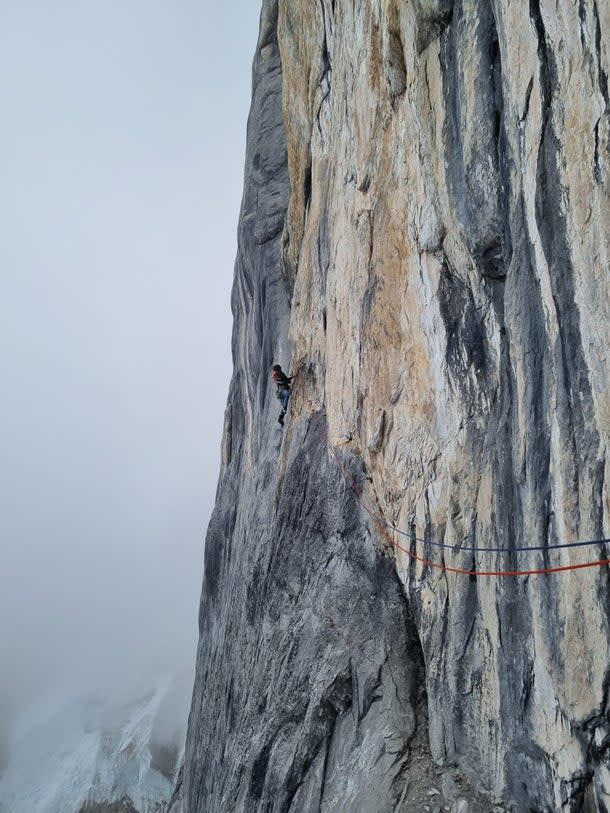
383, 526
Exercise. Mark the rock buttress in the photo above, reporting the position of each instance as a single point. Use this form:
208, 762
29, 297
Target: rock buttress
309, 669
424, 235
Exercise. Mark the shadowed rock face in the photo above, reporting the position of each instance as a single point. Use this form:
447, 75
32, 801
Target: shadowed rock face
424, 237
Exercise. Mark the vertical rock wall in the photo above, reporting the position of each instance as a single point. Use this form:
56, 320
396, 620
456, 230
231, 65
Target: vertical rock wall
424, 236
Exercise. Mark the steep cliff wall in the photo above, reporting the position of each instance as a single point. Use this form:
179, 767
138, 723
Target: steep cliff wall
424, 237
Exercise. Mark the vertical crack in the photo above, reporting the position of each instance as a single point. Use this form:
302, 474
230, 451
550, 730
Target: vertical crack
603, 76
597, 172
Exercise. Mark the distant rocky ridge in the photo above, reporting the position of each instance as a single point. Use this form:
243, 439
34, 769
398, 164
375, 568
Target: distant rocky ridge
80, 755
424, 237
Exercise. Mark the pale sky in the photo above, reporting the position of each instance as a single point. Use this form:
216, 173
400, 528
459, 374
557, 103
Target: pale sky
122, 144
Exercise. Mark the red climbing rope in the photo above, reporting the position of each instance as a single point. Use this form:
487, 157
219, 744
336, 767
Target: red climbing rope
383, 526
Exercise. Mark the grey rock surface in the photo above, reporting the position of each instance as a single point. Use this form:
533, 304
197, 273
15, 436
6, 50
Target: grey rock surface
424, 238
448, 787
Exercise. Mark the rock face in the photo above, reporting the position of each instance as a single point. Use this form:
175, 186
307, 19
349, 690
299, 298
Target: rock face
424, 236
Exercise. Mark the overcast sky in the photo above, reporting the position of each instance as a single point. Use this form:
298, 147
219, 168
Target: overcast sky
122, 144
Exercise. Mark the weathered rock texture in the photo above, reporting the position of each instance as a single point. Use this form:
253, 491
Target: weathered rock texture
424, 236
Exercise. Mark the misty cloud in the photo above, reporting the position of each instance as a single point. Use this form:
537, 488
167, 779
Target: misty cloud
121, 168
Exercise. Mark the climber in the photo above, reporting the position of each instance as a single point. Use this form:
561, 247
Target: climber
282, 381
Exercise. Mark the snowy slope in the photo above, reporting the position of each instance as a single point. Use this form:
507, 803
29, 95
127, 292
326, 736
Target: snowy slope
67, 754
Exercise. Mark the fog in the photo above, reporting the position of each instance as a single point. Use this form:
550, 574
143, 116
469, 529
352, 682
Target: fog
121, 158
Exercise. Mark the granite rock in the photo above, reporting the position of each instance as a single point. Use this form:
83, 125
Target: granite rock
424, 237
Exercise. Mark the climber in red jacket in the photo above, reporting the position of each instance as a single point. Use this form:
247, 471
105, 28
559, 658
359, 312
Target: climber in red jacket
282, 381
